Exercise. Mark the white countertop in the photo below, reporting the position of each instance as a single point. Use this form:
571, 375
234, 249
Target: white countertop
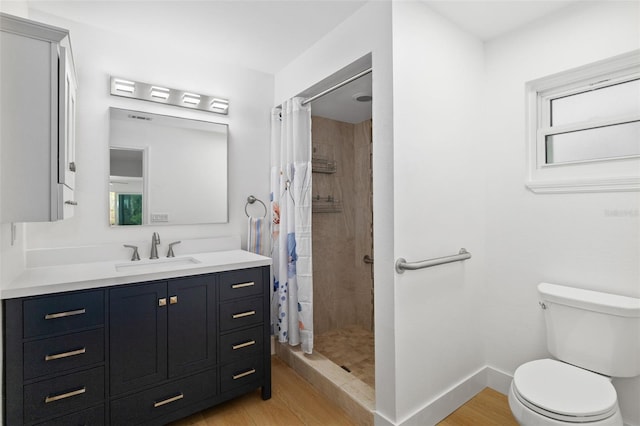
54, 279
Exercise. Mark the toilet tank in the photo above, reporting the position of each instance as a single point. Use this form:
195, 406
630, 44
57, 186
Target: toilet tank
593, 330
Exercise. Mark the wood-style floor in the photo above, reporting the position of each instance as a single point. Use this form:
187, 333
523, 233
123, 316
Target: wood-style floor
295, 402
488, 408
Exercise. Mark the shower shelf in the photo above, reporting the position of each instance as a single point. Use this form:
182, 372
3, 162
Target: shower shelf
326, 205
322, 165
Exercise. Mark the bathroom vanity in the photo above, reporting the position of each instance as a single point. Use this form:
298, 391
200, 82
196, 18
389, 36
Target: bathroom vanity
142, 346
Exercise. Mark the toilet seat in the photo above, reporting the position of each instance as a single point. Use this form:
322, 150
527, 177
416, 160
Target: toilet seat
564, 392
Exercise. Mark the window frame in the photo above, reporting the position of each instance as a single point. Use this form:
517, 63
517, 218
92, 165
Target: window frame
592, 175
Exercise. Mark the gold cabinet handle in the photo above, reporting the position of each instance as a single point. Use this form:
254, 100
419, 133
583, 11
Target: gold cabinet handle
245, 374
168, 400
243, 345
162, 302
65, 354
243, 314
173, 300
249, 284
65, 314
53, 398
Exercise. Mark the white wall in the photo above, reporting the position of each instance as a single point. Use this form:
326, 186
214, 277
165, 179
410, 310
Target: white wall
11, 252
366, 31
586, 240
439, 207
99, 54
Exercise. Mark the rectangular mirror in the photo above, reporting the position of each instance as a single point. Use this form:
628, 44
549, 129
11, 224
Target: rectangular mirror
166, 170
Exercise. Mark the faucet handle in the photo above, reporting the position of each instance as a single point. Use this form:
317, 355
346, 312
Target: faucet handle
135, 255
170, 252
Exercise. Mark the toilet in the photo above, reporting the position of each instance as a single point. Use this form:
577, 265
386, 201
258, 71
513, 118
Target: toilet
594, 337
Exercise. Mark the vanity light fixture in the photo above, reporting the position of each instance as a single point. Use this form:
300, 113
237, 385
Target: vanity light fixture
160, 92
191, 98
168, 96
123, 85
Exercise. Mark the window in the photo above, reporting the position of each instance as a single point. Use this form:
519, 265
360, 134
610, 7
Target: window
584, 128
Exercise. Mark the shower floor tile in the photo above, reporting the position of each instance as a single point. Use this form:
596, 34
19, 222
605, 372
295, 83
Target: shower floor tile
351, 347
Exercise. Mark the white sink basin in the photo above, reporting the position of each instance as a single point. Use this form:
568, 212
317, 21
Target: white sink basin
155, 264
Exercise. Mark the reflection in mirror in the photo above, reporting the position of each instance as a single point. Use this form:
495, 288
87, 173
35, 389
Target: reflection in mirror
125, 186
166, 170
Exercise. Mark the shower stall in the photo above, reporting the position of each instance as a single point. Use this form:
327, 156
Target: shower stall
343, 244
342, 365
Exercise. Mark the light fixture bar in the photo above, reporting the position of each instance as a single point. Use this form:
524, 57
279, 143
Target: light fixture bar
156, 93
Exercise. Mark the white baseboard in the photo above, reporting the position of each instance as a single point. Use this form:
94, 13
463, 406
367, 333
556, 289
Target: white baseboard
449, 401
498, 380
452, 399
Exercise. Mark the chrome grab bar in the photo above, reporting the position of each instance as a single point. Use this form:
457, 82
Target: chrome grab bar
402, 265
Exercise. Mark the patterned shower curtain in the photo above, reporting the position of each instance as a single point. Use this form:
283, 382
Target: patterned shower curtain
292, 306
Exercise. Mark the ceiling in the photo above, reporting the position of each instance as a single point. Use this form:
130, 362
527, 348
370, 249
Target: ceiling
266, 35
490, 19
263, 35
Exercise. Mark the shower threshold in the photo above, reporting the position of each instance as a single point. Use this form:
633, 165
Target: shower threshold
353, 395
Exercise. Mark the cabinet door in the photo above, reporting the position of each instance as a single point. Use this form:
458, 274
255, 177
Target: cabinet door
138, 336
192, 324
67, 121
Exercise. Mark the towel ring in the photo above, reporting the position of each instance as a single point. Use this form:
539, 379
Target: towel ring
250, 200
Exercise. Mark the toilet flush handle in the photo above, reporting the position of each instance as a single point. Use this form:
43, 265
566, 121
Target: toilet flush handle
542, 305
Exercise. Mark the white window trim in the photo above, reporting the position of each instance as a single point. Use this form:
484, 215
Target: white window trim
600, 175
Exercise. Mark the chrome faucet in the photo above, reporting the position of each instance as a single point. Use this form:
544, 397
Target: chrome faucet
155, 240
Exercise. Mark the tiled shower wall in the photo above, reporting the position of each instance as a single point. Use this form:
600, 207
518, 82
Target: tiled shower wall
342, 281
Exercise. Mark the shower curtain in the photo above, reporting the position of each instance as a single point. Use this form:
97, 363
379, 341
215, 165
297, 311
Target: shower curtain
292, 302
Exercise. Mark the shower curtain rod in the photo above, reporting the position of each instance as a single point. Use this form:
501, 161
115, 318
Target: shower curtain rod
337, 86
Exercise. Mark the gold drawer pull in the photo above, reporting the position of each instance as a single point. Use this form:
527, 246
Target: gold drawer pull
65, 395
65, 354
243, 345
243, 314
162, 302
251, 284
168, 400
245, 374
65, 314
173, 300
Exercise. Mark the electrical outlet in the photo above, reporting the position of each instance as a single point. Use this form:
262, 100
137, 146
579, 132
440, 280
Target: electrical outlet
159, 217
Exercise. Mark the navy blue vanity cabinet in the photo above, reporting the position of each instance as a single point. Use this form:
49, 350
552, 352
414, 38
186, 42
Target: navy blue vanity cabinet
161, 330
136, 354
54, 359
245, 351
163, 348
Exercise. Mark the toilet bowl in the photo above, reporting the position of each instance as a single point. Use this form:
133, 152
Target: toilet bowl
550, 392
594, 336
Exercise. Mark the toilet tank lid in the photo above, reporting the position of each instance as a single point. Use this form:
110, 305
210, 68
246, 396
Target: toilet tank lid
607, 303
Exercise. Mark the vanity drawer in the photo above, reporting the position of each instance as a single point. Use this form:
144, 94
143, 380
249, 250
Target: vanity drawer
241, 313
91, 417
241, 373
241, 283
57, 354
241, 344
63, 313
156, 402
63, 394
